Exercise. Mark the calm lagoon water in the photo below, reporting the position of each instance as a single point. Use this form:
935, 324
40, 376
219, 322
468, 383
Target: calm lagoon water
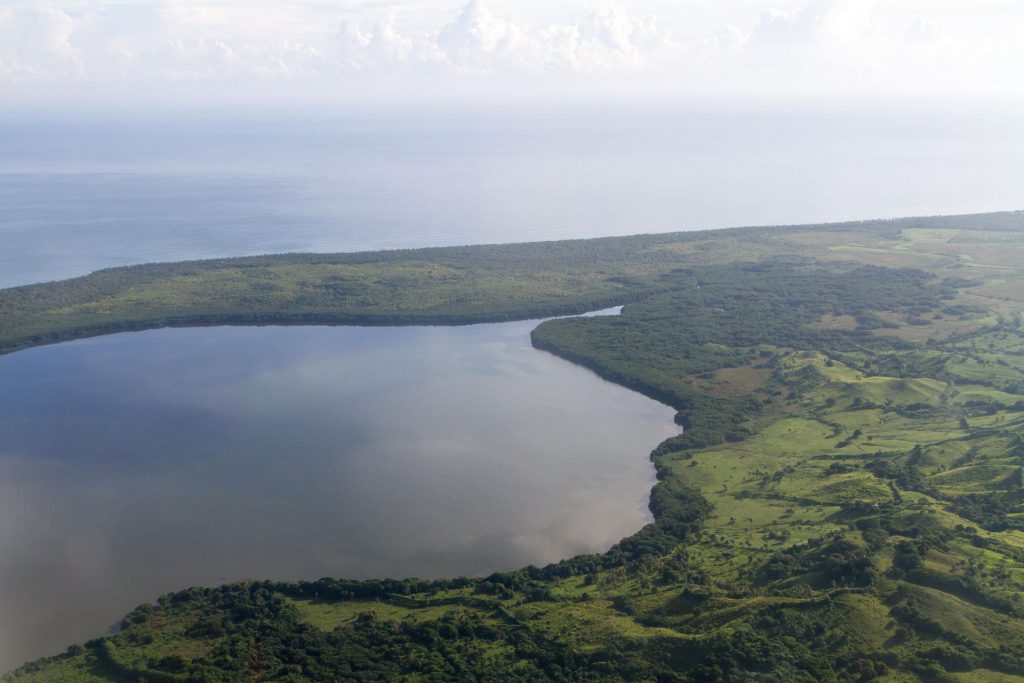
137, 464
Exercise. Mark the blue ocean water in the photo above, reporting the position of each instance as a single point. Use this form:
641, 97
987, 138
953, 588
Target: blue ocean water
78, 195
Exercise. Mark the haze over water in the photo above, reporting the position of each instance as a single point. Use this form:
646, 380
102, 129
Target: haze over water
82, 194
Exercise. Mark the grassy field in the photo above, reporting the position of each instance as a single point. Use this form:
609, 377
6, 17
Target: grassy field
846, 502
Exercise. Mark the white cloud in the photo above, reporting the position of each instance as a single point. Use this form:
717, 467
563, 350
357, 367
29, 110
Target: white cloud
610, 39
37, 43
835, 46
480, 41
382, 46
867, 46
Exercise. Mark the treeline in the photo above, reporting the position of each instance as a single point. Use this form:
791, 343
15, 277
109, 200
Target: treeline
725, 316
452, 285
254, 634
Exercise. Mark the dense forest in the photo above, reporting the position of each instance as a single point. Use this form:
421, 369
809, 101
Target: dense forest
451, 285
845, 503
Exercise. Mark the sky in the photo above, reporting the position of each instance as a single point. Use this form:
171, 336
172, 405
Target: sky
123, 52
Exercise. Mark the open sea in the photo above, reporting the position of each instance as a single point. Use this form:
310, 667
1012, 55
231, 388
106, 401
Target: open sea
81, 194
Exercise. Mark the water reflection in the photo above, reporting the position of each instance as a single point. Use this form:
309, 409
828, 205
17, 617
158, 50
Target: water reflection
141, 463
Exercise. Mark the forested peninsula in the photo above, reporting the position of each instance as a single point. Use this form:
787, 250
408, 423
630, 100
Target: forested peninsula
845, 503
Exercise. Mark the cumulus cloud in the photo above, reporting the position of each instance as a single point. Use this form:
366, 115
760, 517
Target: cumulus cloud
176, 41
480, 41
610, 39
821, 45
380, 47
837, 32
835, 44
36, 42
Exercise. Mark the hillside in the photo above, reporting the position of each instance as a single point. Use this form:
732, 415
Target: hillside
846, 502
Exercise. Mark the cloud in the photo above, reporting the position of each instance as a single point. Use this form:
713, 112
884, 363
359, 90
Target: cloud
610, 39
838, 31
479, 41
167, 40
380, 47
823, 46
36, 43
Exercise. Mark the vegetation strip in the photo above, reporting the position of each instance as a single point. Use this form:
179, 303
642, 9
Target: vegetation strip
846, 501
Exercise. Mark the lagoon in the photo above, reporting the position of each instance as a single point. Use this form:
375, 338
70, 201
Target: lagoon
137, 464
